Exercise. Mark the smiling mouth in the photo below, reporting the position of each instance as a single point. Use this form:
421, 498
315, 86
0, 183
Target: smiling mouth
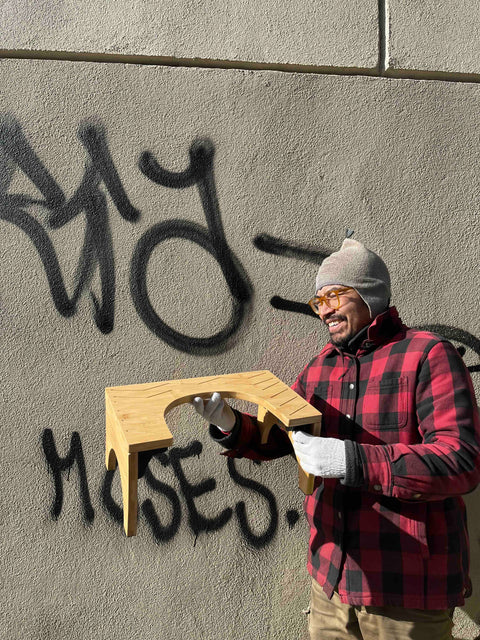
333, 323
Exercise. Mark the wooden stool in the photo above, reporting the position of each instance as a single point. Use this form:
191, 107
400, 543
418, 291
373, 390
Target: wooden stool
135, 420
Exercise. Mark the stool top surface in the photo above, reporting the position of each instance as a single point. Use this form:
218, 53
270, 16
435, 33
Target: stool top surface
139, 410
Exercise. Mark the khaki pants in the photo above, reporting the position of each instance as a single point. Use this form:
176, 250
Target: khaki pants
333, 620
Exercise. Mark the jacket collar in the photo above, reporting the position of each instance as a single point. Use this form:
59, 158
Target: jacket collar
383, 327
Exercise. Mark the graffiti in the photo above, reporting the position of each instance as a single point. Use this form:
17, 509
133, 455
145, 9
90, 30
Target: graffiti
254, 540
212, 239
100, 179
292, 517
283, 304
196, 520
57, 465
162, 533
165, 526
90, 200
279, 247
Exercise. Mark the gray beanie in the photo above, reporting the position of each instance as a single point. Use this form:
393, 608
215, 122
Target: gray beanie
356, 266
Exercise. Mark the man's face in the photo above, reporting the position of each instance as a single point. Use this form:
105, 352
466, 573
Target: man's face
344, 323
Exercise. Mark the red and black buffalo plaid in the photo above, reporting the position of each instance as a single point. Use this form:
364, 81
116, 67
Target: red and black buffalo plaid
393, 532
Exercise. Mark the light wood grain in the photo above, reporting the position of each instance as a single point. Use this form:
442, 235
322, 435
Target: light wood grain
135, 420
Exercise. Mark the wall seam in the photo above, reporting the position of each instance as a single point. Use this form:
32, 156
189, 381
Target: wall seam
383, 36
202, 63
206, 63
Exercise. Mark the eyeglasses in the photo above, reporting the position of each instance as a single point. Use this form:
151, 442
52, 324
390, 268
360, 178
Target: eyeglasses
331, 299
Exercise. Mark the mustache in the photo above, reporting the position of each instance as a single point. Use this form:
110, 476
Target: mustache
335, 316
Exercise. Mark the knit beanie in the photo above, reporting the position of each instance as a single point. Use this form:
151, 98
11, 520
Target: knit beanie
356, 266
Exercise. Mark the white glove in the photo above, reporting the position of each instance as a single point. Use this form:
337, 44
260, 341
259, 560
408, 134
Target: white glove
324, 457
215, 411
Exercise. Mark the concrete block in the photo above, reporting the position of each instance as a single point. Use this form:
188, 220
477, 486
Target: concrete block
314, 32
435, 36
116, 272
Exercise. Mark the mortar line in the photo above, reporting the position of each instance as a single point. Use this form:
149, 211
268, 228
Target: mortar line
169, 61
205, 63
383, 36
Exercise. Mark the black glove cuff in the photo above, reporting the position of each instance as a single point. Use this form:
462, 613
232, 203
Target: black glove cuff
227, 440
354, 474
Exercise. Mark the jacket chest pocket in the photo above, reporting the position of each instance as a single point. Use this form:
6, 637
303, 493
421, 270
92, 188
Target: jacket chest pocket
385, 405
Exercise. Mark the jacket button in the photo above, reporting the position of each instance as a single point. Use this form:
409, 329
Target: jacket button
417, 495
377, 487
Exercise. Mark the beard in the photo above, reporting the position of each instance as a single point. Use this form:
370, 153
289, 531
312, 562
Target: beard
341, 341
348, 341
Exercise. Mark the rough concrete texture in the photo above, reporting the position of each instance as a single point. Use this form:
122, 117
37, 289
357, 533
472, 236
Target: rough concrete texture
313, 32
435, 36
220, 546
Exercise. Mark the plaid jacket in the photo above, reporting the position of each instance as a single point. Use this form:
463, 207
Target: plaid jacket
393, 532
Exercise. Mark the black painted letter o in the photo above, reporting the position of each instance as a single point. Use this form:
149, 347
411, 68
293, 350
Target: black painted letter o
187, 230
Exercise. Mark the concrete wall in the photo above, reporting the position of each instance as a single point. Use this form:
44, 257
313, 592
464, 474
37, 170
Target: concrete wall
340, 34
295, 159
435, 36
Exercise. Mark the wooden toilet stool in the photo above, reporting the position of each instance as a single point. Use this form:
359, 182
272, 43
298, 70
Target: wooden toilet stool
135, 420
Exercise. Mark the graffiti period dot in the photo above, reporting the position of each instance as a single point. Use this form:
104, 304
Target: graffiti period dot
292, 516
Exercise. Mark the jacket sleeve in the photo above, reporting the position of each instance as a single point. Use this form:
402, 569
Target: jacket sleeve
447, 461
244, 439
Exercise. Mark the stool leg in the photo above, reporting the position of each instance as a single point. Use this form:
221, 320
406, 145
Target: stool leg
266, 420
110, 457
116, 452
306, 481
128, 465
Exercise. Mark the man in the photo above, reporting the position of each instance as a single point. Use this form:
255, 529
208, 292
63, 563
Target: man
400, 444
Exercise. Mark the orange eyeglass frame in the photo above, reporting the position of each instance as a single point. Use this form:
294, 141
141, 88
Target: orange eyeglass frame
317, 301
